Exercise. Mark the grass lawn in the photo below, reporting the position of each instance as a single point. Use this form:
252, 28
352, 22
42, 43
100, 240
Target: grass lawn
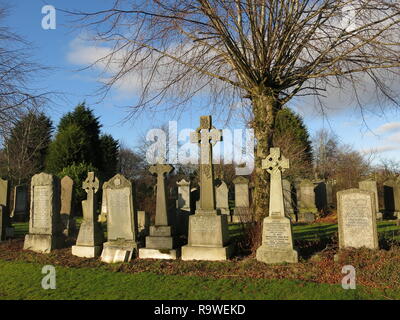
22, 280
378, 273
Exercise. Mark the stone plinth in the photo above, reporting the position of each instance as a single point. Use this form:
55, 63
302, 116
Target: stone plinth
277, 242
208, 238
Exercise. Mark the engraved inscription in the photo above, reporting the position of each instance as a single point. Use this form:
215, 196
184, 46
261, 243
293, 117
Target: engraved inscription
357, 221
41, 207
277, 235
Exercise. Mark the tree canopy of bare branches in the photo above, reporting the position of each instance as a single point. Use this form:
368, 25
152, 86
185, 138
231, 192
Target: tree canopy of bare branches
17, 71
264, 52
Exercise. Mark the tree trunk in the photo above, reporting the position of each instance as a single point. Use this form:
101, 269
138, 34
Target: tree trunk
265, 108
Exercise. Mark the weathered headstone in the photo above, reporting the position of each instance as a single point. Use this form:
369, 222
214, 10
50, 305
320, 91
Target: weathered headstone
20, 207
208, 230
277, 238
183, 205
321, 196
357, 219
329, 194
67, 220
143, 224
6, 230
103, 211
160, 244
121, 221
241, 212
183, 202
221, 196
391, 195
288, 199
90, 237
307, 209
45, 231
370, 185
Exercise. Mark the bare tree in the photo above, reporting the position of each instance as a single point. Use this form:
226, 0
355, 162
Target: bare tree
260, 53
17, 70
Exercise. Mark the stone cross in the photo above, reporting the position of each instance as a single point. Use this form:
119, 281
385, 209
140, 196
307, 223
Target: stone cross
206, 136
91, 186
275, 164
161, 204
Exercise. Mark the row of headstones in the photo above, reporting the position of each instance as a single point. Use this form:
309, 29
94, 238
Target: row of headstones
357, 223
208, 237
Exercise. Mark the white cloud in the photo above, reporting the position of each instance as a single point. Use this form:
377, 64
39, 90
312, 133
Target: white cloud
388, 127
381, 149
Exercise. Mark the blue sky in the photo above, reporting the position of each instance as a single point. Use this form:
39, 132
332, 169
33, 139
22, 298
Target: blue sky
62, 50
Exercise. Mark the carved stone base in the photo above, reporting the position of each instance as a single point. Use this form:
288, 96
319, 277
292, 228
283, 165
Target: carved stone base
118, 251
170, 254
86, 251
43, 243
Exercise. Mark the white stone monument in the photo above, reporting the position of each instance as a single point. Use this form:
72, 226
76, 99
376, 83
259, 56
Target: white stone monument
90, 238
208, 230
277, 238
121, 221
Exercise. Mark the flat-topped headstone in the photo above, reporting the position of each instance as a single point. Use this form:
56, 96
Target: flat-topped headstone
241, 212
67, 189
45, 230
221, 195
321, 197
160, 243
391, 196
277, 238
208, 231
357, 219
20, 205
121, 221
370, 185
90, 238
306, 201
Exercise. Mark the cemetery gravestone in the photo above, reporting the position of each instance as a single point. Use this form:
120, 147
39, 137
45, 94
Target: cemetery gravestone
391, 194
329, 194
307, 208
6, 230
121, 221
321, 198
357, 219
90, 237
20, 211
241, 213
370, 185
287, 199
160, 244
221, 195
67, 219
208, 231
45, 232
277, 238
183, 206
103, 211
143, 224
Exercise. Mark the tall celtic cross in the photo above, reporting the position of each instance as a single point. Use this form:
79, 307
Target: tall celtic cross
161, 203
91, 186
206, 136
275, 164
